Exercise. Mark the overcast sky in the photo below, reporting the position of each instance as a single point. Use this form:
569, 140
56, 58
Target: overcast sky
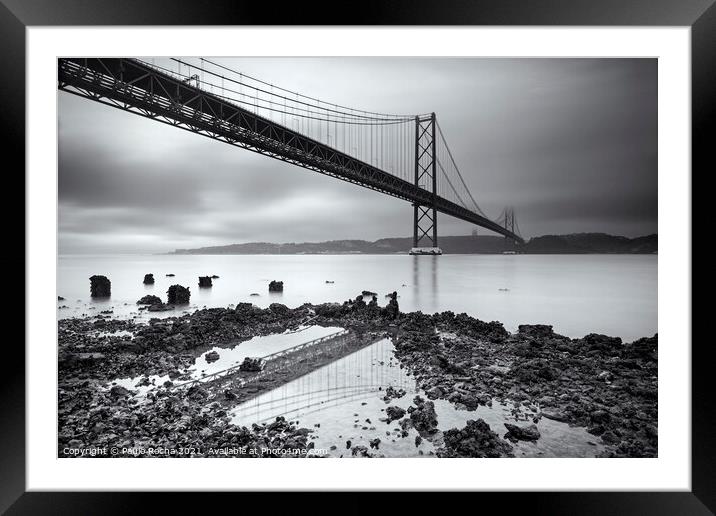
570, 143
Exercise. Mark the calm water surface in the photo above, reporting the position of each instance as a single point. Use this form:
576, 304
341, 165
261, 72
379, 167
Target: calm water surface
577, 294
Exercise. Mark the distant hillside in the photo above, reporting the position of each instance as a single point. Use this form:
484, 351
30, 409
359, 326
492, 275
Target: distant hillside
580, 243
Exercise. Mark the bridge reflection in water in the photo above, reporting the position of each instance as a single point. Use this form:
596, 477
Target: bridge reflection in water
361, 375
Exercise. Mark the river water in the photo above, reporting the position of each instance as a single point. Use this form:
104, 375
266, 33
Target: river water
343, 401
577, 294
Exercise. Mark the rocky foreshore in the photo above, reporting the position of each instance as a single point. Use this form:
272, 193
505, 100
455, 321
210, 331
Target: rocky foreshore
596, 382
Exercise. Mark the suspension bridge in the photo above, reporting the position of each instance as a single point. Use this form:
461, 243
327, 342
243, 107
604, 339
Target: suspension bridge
402, 155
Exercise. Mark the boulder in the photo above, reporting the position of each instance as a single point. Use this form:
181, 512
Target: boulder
178, 295
100, 286
392, 311
211, 356
150, 300
394, 413
148, 279
276, 286
475, 440
205, 281
522, 433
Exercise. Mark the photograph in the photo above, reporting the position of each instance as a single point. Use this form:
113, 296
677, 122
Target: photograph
349, 257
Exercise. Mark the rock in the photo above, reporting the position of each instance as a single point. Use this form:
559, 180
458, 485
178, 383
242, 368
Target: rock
393, 393
159, 307
204, 281
330, 282
148, 279
214, 276
423, 416
252, 364
394, 413
368, 293
475, 440
418, 440
60, 298
100, 286
211, 356
150, 300
348, 445
374, 443
170, 275
178, 295
117, 391
276, 286
392, 311
600, 416
254, 294
360, 451
229, 395
522, 433
555, 416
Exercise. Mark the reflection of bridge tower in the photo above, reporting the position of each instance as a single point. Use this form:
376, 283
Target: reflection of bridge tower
425, 218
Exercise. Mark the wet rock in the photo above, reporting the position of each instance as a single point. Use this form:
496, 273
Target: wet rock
348, 445
418, 440
211, 356
117, 391
394, 413
148, 279
423, 416
276, 286
60, 298
100, 286
170, 275
159, 307
374, 443
150, 300
205, 281
214, 276
360, 451
330, 282
522, 433
229, 395
368, 293
254, 294
251, 364
178, 295
393, 393
475, 440
392, 311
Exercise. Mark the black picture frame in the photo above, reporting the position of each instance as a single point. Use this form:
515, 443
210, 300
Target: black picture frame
17, 15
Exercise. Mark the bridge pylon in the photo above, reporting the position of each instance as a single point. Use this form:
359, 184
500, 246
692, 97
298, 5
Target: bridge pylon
425, 217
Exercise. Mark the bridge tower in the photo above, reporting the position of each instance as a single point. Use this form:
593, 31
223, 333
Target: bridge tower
425, 217
509, 225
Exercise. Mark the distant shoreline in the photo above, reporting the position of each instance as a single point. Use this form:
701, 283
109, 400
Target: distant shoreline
580, 243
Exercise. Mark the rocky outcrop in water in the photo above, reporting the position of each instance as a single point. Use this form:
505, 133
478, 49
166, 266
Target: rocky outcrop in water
276, 286
474, 440
522, 433
100, 286
211, 356
423, 416
394, 413
149, 300
148, 279
205, 282
251, 364
178, 295
392, 310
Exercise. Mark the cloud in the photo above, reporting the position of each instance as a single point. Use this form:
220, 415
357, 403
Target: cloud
570, 143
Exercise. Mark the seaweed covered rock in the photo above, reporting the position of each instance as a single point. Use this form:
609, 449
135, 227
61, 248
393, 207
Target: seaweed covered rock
276, 286
522, 433
178, 295
148, 279
150, 300
475, 440
423, 416
100, 286
205, 281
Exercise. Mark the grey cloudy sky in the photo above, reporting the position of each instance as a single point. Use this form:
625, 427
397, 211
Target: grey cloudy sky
570, 143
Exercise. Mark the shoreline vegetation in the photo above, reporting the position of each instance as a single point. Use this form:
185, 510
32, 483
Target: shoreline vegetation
595, 382
578, 243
